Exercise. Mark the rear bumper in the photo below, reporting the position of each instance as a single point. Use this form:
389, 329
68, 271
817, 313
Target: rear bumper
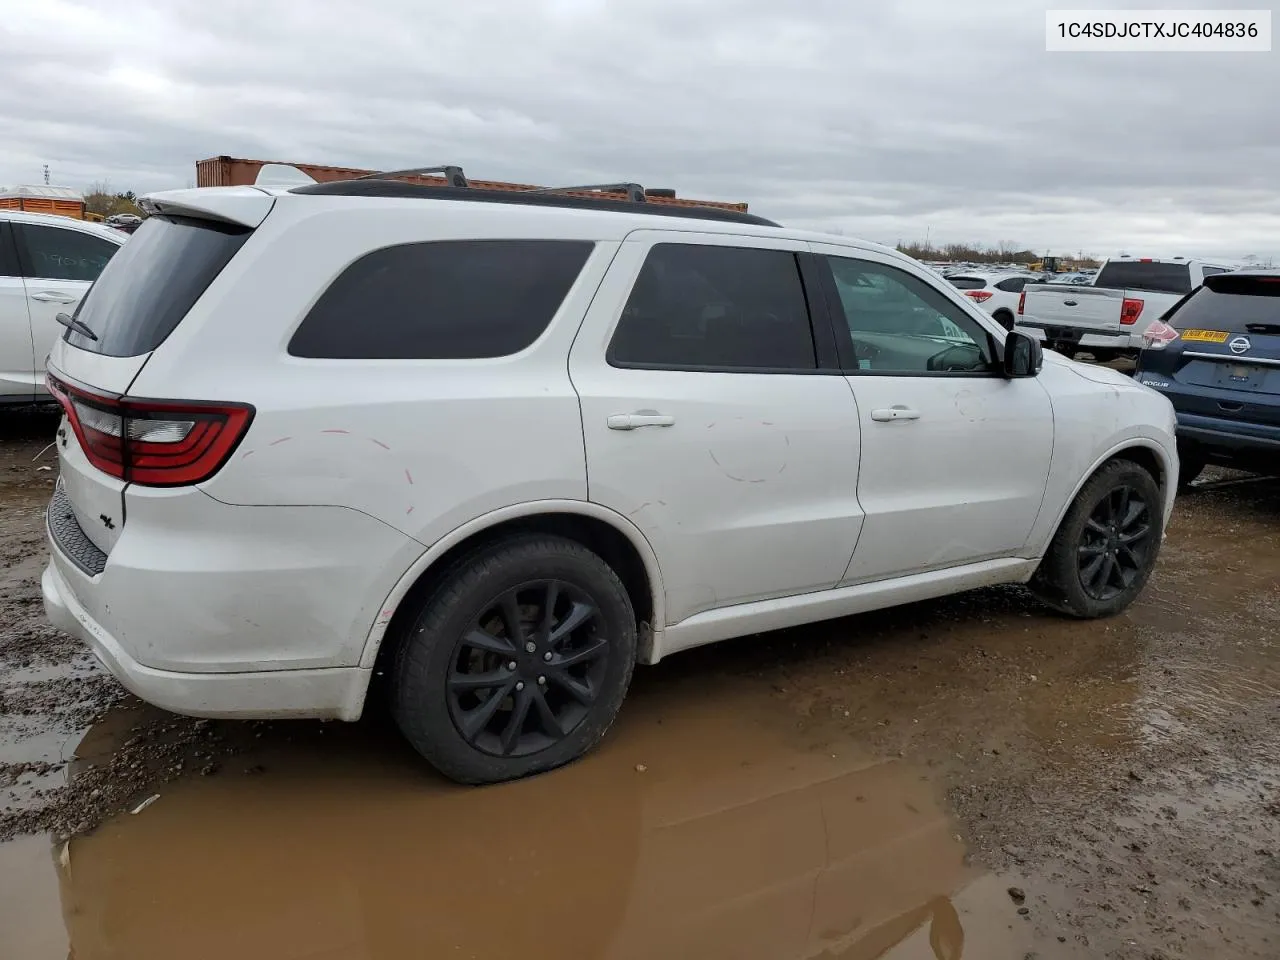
336, 693
1233, 437
1082, 336
215, 610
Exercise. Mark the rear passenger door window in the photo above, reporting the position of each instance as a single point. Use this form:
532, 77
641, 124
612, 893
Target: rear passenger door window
900, 324
56, 253
710, 307
448, 300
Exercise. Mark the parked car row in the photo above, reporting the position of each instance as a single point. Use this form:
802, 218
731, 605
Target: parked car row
1108, 317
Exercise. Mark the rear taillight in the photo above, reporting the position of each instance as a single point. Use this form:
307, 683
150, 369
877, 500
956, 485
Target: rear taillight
1158, 336
978, 295
156, 443
1022, 302
1130, 311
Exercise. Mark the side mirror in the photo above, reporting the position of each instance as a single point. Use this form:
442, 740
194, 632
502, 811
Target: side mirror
1023, 355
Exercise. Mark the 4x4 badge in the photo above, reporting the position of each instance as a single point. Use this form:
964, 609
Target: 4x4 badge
1239, 344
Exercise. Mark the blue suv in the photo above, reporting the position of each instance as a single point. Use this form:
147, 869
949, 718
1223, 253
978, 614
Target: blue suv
1216, 355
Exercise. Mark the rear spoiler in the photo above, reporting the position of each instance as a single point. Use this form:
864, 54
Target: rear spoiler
244, 206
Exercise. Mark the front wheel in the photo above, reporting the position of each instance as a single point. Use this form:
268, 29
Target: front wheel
518, 661
1106, 547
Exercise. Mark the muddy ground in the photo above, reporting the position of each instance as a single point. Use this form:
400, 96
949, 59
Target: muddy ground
972, 777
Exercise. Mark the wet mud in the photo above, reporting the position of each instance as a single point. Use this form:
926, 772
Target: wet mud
966, 778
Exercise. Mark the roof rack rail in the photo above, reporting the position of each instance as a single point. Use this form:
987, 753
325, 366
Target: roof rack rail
633, 191
452, 174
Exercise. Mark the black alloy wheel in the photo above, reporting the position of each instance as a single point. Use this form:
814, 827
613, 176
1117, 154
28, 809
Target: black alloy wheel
1115, 543
1106, 545
527, 672
516, 661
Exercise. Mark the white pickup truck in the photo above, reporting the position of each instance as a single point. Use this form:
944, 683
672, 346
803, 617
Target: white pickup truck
1108, 317
46, 264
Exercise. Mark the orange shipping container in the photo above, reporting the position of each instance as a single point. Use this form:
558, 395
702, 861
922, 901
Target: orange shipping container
234, 172
38, 198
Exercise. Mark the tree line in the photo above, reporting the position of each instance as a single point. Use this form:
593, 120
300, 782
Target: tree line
1003, 252
101, 199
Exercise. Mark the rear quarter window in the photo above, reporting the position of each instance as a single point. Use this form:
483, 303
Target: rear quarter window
444, 300
148, 287
1152, 277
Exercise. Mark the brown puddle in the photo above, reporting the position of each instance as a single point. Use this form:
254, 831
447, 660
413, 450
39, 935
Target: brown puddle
726, 844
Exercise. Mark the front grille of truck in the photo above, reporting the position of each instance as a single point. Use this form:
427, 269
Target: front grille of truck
65, 531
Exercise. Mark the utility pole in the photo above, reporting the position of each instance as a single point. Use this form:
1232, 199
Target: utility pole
46, 174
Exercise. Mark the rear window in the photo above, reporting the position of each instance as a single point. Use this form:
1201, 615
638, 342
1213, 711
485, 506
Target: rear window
148, 287
1243, 305
967, 283
446, 300
1012, 284
1152, 277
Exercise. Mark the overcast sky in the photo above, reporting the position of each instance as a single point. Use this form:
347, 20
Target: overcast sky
887, 120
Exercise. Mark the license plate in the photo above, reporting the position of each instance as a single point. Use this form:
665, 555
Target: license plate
1240, 376
1205, 336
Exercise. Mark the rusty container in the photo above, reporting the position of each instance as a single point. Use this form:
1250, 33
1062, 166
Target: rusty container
232, 172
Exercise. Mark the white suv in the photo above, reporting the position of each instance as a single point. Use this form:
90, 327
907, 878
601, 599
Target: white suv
503, 446
47, 263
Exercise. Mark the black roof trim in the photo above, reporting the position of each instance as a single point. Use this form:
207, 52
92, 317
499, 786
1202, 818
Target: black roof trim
427, 191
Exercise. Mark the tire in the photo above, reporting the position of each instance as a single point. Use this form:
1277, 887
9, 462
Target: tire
1190, 466
557, 701
1004, 318
1067, 579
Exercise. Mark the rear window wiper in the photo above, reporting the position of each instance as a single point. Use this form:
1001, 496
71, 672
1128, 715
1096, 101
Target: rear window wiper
79, 326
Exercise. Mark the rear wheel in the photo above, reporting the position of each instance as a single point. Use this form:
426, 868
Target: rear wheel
1104, 551
1004, 318
517, 663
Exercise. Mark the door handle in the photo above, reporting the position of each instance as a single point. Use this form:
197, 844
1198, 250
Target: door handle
631, 421
1071, 303
898, 412
53, 296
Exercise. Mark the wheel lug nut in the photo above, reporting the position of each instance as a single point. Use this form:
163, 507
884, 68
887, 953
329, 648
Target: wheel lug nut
542, 681
511, 665
547, 656
520, 685
530, 647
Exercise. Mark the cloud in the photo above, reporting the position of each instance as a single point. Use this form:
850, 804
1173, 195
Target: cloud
885, 121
